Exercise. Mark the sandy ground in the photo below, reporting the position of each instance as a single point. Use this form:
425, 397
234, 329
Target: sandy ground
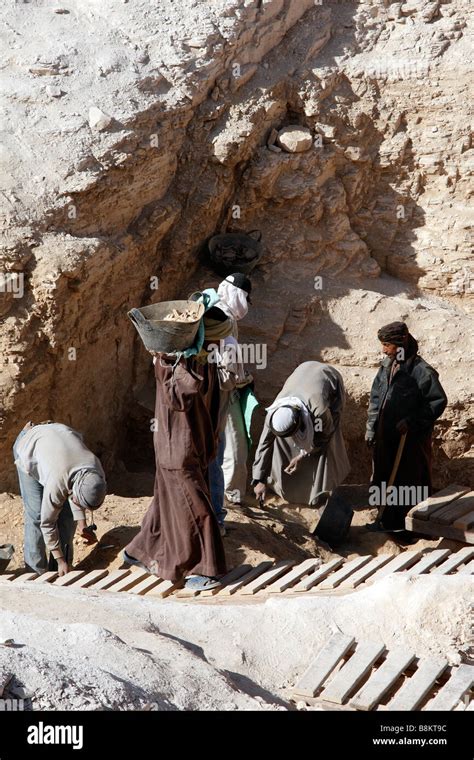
279, 531
79, 649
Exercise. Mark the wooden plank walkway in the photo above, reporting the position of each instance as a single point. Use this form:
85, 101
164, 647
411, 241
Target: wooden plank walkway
304, 568
449, 514
247, 578
453, 512
352, 673
25, 577
314, 578
323, 665
267, 578
454, 561
415, 688
426, 508
69, 578
409, 683
344, 572
355, 579
231, 577
461, 681
428, 561
382, 679
398, 563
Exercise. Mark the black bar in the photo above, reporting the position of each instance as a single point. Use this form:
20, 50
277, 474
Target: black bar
262, 733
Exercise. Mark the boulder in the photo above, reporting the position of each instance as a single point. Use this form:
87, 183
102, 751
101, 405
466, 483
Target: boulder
295, 139
98, 120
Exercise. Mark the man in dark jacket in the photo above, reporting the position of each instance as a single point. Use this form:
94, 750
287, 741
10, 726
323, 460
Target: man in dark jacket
406, 397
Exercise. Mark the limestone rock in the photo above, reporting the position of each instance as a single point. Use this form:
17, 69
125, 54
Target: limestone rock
98, 120
54, 92
295, 139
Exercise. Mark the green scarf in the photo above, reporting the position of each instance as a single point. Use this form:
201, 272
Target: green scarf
214, 330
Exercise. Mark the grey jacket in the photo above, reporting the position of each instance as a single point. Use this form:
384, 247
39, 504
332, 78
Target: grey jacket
53, 454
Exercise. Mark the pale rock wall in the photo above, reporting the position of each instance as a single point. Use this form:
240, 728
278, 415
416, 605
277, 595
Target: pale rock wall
378, 208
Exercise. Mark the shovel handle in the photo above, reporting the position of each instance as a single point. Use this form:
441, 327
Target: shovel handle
393, 474
396, 463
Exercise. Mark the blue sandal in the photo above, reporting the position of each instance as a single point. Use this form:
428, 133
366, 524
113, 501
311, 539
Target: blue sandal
201, 583
132, 561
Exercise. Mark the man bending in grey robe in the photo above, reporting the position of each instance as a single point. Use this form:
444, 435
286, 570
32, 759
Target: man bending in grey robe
59, 478
301, 452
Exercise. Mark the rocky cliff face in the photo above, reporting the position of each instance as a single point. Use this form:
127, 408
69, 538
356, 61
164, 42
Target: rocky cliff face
133, 134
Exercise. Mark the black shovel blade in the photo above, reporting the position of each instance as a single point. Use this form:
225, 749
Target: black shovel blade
334, 523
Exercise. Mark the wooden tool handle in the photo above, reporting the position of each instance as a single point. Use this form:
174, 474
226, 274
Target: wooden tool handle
396, 463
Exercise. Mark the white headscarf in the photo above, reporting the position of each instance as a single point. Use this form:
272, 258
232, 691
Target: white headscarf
304, 436
233, 300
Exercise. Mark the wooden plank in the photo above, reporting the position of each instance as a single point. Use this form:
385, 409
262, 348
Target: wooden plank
90, 578
465, 522
397, 564
25, 577
187, 593
48, 577
466, 569
382, 679
352, 673
164, 589
247, 578
146, 585
111, 578
424, 509
452, 512
361, 575
322, 572
415, 688
232, 576
428, 561
434, 529
271, 575
304, 568
462, 679
344, 572
130, 581
71, 577
459, 558
314, 677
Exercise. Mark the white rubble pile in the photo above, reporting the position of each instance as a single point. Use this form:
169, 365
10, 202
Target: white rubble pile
85, 650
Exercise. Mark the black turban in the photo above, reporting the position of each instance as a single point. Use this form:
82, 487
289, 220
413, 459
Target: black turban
395, 333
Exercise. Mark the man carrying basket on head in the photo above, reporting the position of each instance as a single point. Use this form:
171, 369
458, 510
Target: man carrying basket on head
180, 534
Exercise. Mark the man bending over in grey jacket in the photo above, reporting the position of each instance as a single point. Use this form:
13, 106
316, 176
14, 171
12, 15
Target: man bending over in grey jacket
59, 478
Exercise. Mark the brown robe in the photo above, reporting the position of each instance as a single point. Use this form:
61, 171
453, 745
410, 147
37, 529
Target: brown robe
179, 533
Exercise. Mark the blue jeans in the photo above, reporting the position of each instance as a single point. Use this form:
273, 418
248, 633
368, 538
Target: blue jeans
34, 549
216, 482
